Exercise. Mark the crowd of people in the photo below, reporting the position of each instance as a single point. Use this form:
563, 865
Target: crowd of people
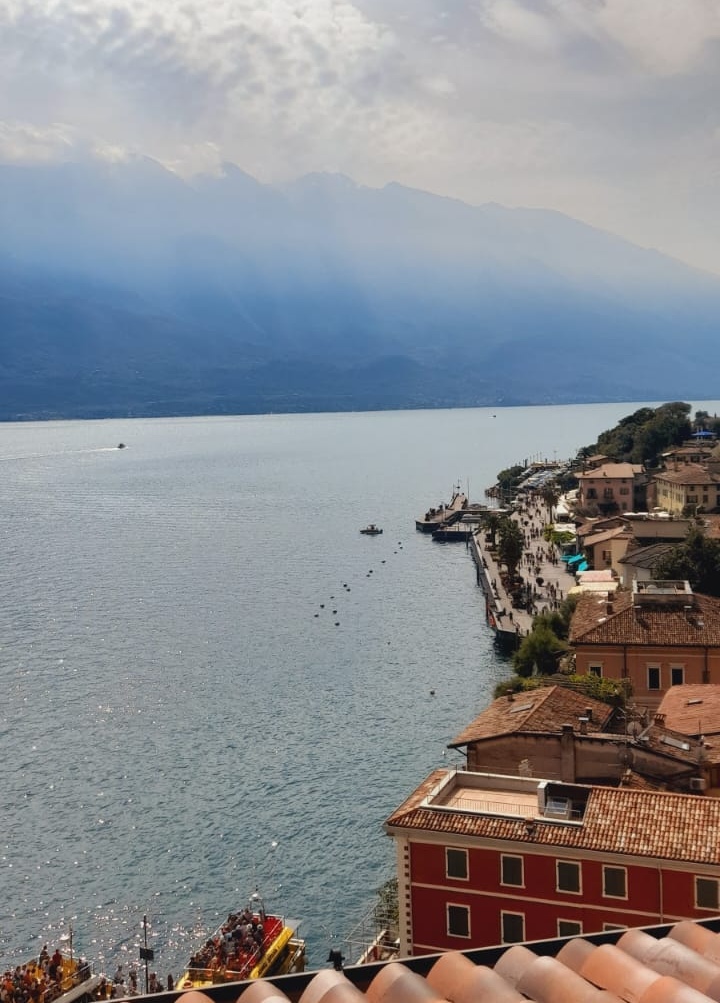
122, 986
42, 980
47, 978
235, 947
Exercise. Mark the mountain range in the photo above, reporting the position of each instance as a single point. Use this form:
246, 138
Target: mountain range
126, 290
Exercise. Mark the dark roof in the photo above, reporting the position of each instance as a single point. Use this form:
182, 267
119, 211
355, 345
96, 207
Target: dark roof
647, 557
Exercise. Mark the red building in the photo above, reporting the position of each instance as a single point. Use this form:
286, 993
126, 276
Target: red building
484, 859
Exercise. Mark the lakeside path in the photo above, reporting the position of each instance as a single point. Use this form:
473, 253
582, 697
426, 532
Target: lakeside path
540, 560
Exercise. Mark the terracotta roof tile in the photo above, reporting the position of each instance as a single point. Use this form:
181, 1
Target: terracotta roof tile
692, 709
687, 473
616, 820
679, 964
613, 470
545, 709
670, 626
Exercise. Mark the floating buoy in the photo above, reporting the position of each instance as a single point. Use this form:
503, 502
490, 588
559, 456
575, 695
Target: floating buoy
316, 614
334, 611
322, 605
432, 693
337, 623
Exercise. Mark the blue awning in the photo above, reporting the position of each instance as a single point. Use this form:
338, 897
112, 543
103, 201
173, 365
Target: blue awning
575, 558
583, 566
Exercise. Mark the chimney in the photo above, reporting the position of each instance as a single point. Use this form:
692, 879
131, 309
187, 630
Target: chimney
589, 713
660, 720
510, 696
583, 725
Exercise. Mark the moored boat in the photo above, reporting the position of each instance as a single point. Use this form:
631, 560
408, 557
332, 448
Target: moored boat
58, 978
250, 944
371, 530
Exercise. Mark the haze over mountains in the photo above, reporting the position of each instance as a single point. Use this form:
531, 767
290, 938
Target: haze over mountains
126, 290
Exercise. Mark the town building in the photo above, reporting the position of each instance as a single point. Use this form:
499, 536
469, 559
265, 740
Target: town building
485, 859
639, 564
557, 733
687, 487
657, 635
612, 487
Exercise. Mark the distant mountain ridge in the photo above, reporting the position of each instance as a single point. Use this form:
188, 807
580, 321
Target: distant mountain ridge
126, 290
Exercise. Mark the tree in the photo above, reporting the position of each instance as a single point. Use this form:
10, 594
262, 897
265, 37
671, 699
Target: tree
491, 522
643, 436
539, 651
511, 545
551, 496
696, 560
542, 649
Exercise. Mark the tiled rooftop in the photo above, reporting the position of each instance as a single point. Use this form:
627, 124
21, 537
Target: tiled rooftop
545, 709
646, 557
613, 820
692, 709
614, 470
687, 473
678, 964
593, 623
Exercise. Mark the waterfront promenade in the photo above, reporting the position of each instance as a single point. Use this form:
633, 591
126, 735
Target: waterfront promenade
540, 563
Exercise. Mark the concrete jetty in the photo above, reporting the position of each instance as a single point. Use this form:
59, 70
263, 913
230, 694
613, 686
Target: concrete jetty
444, 515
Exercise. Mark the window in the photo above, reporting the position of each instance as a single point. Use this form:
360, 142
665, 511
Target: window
513, 927
456, 864
706, 894
511, 871
595, 669
568, 928
608, 493
568, 876
615, 882
624, 491
592, 493
458, 921
677, 675
653, 677
613, 926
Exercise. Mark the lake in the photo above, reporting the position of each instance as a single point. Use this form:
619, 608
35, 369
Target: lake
211, 680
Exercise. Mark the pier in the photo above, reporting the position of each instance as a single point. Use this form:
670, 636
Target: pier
444, 515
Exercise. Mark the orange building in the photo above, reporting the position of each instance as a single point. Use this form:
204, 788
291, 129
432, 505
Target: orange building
659, 634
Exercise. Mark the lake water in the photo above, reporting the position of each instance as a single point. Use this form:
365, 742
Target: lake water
210, 679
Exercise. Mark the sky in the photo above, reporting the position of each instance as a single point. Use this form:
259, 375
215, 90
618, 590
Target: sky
607, 110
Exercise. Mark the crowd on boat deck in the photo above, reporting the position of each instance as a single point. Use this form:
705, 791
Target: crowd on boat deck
238, 941
43, 980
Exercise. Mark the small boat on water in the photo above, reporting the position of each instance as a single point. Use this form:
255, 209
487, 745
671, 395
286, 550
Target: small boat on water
371, 530
250, 944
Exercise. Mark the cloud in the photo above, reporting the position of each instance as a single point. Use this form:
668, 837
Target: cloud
605, 109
